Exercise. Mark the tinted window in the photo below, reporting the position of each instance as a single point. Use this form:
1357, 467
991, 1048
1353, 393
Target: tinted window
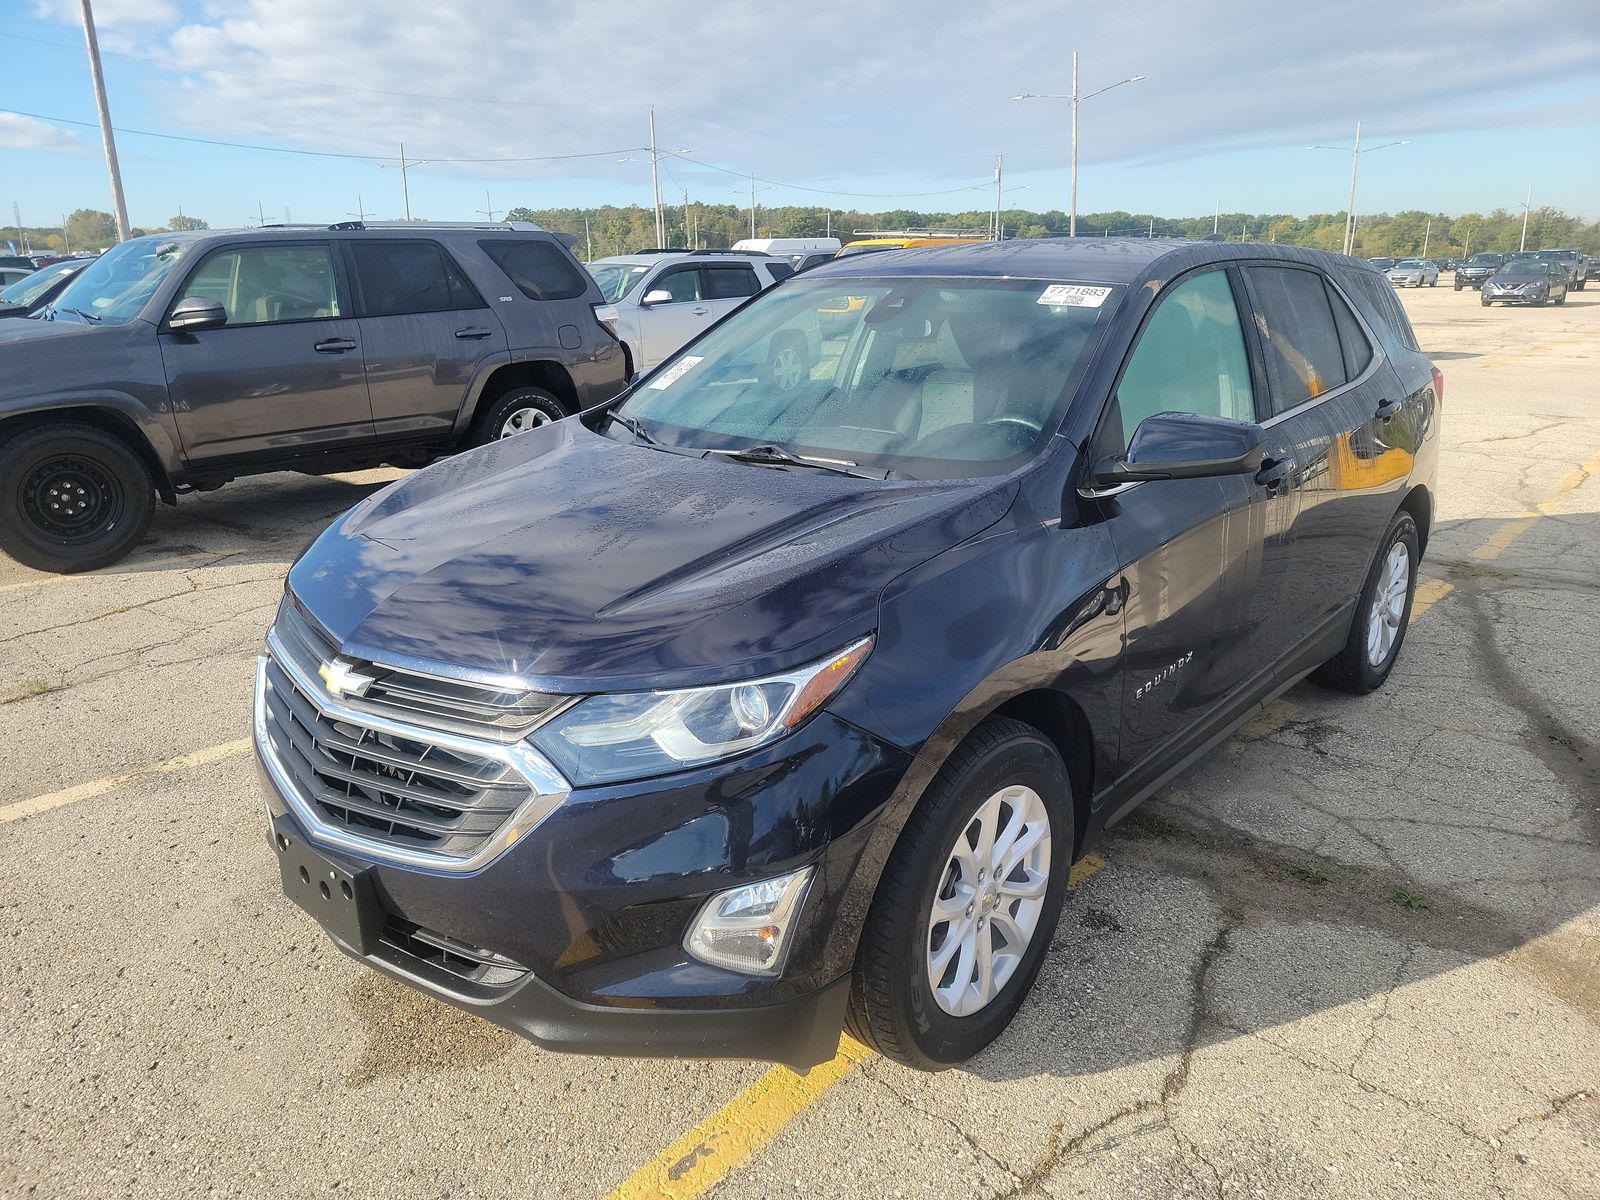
1190, 357
262, 285
1352, 339
682, 285
540, 271
1381, 301
409, 277
780, 269
1304, 359
728, 283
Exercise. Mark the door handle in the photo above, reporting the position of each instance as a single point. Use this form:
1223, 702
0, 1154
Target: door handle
699, 312
1387, 409
334, 346
475, 332
1273, 472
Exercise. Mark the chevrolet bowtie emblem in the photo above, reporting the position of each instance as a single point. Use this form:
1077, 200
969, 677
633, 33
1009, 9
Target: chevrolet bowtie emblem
341, 679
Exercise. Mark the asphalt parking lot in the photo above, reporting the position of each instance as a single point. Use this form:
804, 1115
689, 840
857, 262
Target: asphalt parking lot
1355, 952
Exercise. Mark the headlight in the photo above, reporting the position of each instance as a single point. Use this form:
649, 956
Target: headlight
634, 735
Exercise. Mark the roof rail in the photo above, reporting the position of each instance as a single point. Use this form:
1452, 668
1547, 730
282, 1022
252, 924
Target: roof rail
517, 226
919, 233
703, 253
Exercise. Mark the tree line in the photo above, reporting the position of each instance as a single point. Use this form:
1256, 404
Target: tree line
611, 229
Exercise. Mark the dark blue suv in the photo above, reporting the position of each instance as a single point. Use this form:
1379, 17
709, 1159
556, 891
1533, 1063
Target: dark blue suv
721, 716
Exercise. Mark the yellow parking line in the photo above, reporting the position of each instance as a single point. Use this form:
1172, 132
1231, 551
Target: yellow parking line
99, 787
702, 1157
1428, 594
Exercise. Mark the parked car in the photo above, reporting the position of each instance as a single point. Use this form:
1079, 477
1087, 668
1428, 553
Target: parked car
1526, 281
726, 714
659, 299
1413, 272
1476, 269
790, 248
49, 260
17, 261
804, 262
1572, 262
177, 362
10, 275
1381, 264
34, 291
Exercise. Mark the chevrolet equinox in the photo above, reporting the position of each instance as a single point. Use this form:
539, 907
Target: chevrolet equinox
721, 716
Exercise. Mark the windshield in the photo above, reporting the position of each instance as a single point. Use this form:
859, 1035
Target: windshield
1524, 267
1557, 255
1411, 262
30, 287
925, 378
116, 285
616, 280
1485, 260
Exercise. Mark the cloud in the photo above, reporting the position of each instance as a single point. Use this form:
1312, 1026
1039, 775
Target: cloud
25, 133
111, 13
855, 90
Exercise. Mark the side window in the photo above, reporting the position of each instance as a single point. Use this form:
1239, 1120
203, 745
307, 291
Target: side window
263, 285
1304, 358
729, 283
780, 269
409, 277
1352, 339
540, 271
1190, 357
683, 285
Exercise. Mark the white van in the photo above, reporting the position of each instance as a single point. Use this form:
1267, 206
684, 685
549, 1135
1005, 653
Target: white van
791, 248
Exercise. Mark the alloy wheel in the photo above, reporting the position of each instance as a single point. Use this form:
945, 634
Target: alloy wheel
1388, 605
520, 420
991, 895
788, 369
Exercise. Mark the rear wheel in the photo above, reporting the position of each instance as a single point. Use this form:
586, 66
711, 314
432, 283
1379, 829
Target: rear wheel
72, 497
968, 902
518, 411
1382, 614
787, 367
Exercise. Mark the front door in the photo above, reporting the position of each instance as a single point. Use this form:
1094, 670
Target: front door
424, 333
285, 373
668, 324
1183, 544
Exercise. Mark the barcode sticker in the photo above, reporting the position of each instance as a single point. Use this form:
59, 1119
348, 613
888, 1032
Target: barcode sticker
1074, 295
675, 372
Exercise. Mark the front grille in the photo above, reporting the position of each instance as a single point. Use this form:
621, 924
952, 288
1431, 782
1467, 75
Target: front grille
395, 790
448, 704
402, 940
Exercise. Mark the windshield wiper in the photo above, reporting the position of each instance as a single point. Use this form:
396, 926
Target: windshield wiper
78, 312
777, 456
634, 426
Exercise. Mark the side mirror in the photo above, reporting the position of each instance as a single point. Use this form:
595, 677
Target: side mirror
659, 296
1172, 445
194, 313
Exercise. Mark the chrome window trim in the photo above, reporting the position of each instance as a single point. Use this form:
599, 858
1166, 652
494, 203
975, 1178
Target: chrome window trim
550, 788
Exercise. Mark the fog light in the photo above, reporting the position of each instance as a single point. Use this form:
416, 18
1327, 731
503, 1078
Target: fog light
747, 929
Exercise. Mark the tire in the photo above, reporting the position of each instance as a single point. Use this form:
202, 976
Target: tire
1580, 285
516, 411
1459, 287
894, 1005
787, 365
1366, 660
72, 497
1485, 303
1563, 299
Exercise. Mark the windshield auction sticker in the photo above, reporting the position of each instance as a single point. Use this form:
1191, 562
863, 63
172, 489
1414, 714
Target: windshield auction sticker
675, 372
1074, 295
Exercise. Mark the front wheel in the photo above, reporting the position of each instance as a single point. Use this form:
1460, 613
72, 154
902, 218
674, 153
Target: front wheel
968, 901
1458, 287
1383, 613
518, 411
72, 497
786, 366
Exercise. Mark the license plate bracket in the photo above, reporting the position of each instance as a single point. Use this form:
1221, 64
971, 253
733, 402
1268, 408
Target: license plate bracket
342, 899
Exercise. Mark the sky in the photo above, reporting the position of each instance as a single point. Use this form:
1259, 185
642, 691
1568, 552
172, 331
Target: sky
871, 105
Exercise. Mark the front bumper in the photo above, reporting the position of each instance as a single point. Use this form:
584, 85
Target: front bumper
1515, 297
572, 936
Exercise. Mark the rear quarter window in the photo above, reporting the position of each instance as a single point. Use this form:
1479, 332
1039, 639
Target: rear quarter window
539, 270
1383, 310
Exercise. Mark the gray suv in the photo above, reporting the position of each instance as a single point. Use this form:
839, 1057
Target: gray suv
180, 361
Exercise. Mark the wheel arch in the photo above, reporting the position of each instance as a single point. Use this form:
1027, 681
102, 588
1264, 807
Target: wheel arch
540, 373
110, 420
1419, 503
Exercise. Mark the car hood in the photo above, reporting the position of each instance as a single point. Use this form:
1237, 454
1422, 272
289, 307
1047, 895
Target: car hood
576, 563
41, 354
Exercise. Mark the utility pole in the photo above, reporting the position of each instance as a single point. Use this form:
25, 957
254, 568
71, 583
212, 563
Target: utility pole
655, 183
118, 204
1526, 206
687, 245
1350, 209
405, 186
1466, 250
998, 159
66, 242
829, 227
22, 242
1426, 230
588, 242
261, 213
1216, 218
360, 213
488, 209
1151, 235
753, 206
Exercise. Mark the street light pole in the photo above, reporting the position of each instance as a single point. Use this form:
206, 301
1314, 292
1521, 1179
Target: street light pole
998, 159
655, 183
1526, 205
1355, 161
753, 205
1076, 98
113, 169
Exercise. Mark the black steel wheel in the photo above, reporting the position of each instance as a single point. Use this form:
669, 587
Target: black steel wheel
72, 497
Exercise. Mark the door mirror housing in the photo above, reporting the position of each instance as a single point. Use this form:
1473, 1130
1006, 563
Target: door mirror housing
659, 296
1173, 445
194, 313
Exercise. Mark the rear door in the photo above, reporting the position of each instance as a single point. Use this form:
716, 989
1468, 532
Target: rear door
424, 330
285, 373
